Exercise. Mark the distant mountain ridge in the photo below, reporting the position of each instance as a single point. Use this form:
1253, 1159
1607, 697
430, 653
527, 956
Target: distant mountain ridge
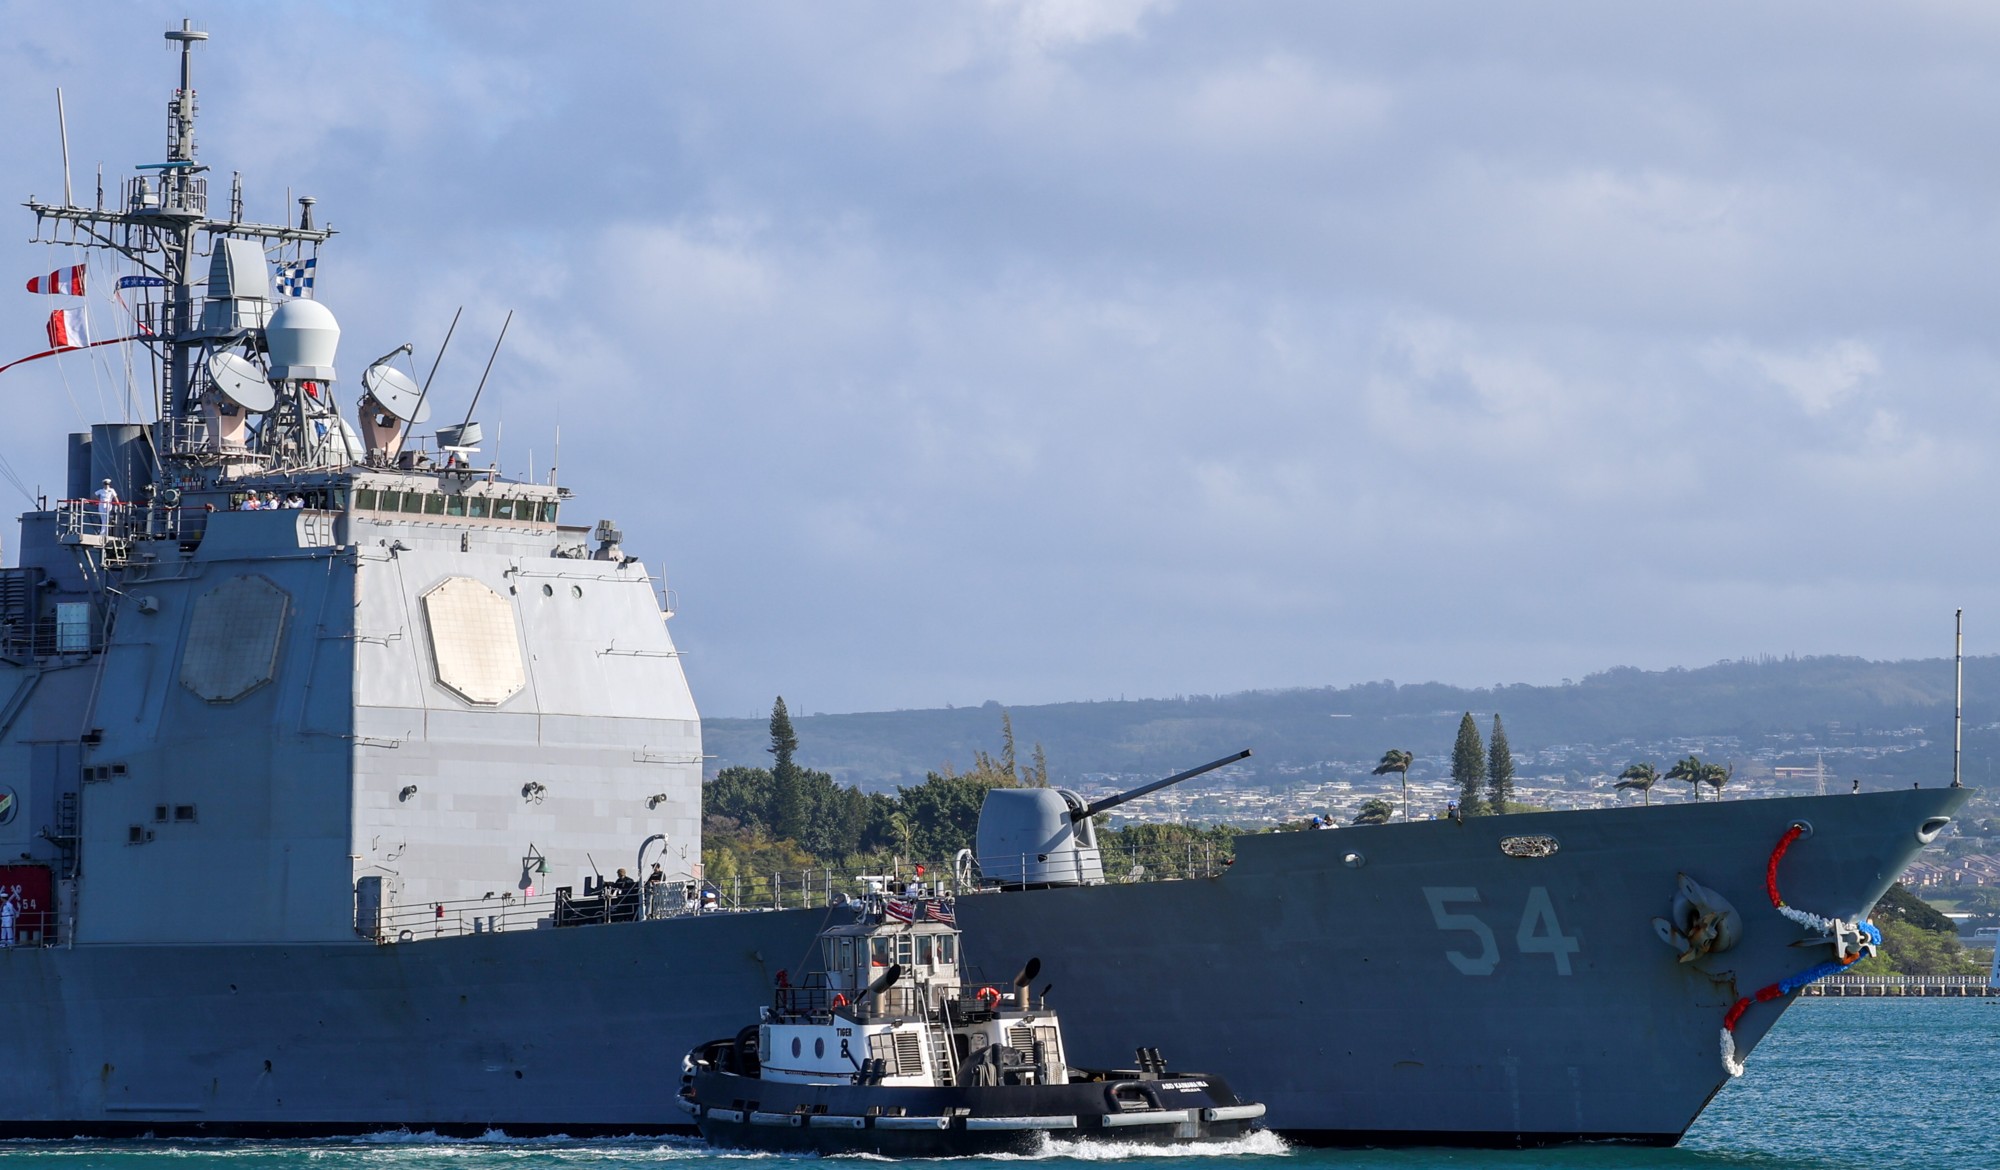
1824, 699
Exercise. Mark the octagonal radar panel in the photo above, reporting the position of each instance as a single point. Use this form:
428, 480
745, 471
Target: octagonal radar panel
241, 382
397, 392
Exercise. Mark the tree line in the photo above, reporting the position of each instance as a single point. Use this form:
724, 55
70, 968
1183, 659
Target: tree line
1641, 777
789, 819
1483, 773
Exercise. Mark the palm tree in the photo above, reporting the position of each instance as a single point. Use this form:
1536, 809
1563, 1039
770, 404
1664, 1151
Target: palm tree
1691, 770
1641, 777
1374, 811
904, 831
1397, 760
1715, 776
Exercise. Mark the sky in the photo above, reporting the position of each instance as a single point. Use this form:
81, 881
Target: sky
1036, 351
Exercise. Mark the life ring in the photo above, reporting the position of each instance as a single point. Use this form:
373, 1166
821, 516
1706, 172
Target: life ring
839, 1000
988, 997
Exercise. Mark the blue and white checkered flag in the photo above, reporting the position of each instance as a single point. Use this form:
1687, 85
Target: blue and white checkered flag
296, 279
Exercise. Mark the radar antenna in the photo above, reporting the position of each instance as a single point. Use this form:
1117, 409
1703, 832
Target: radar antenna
158, 220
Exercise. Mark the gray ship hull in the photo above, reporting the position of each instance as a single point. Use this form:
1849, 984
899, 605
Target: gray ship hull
1405, 984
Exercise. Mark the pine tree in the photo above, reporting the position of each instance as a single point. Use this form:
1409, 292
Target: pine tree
1040, 777
1468, 764
784, 741
1007, 764
791, 812
1499, 768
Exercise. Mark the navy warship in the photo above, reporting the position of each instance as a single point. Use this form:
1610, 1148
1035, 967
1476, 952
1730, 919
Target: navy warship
312, 727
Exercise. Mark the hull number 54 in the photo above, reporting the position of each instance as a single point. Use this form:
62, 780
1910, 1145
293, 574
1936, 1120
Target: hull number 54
1538, 934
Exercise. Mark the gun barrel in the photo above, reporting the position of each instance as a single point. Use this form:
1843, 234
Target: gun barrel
1111, 802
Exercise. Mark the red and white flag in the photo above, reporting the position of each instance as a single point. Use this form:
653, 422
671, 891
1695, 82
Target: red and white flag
63, 282
66, 329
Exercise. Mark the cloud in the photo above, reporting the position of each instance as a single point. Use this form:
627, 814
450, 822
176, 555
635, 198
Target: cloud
1040, 351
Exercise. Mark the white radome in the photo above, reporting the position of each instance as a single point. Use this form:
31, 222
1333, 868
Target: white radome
302, 336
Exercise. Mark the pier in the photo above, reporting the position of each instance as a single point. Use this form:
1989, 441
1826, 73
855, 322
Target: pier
1959, 986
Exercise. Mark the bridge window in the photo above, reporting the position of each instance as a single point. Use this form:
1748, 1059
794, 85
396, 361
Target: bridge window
433, 504
364, 498
924, 950
947, 948
503, 509
391, 501
413, 501
478, 506
454, 505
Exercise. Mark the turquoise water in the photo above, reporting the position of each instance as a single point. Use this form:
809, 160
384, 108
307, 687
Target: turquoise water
1839, 1085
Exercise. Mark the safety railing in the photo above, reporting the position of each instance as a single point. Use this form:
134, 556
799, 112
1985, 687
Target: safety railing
492, 914
113, 526
33, 926
608, 902
973, 999
816, 888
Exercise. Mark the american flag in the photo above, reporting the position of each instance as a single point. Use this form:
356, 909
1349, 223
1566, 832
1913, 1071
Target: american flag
939, 910
900, 909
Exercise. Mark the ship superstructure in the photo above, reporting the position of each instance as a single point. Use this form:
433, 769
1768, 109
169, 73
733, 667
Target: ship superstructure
319, 740
269, 675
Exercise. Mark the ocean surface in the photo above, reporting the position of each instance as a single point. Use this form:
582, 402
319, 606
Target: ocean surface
1839, 1084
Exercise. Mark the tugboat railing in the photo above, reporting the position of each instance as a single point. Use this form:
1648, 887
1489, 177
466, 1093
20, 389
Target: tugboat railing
813, 1001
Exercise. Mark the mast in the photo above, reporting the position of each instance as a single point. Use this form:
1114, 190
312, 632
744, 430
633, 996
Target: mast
1958, 705
158, 225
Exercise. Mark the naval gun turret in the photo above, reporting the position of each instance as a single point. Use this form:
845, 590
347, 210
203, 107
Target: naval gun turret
1034, 837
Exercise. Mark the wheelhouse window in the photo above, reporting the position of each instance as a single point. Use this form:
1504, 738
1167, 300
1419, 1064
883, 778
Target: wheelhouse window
478, 507
433, 504
391, 501
364, 498
454, 505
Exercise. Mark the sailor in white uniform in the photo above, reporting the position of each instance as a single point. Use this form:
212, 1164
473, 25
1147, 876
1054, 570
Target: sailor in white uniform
107, 498
9, 912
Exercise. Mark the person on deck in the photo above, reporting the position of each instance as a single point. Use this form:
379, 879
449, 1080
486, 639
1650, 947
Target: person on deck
107, 499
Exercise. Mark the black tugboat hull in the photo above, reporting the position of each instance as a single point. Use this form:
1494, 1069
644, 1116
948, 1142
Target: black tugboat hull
747, 1113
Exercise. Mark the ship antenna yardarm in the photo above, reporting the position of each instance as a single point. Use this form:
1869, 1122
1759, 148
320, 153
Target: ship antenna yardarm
156, 223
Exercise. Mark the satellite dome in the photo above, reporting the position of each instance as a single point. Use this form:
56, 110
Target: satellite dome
302, 336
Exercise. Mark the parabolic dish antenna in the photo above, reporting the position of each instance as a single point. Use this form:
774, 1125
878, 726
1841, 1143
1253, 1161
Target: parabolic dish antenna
242, 382
397, 392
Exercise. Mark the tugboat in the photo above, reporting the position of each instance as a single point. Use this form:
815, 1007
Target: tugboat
892, 1047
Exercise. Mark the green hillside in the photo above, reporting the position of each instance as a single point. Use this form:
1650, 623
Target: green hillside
1872, 716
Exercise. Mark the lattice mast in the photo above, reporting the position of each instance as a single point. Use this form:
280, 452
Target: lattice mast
158, 224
